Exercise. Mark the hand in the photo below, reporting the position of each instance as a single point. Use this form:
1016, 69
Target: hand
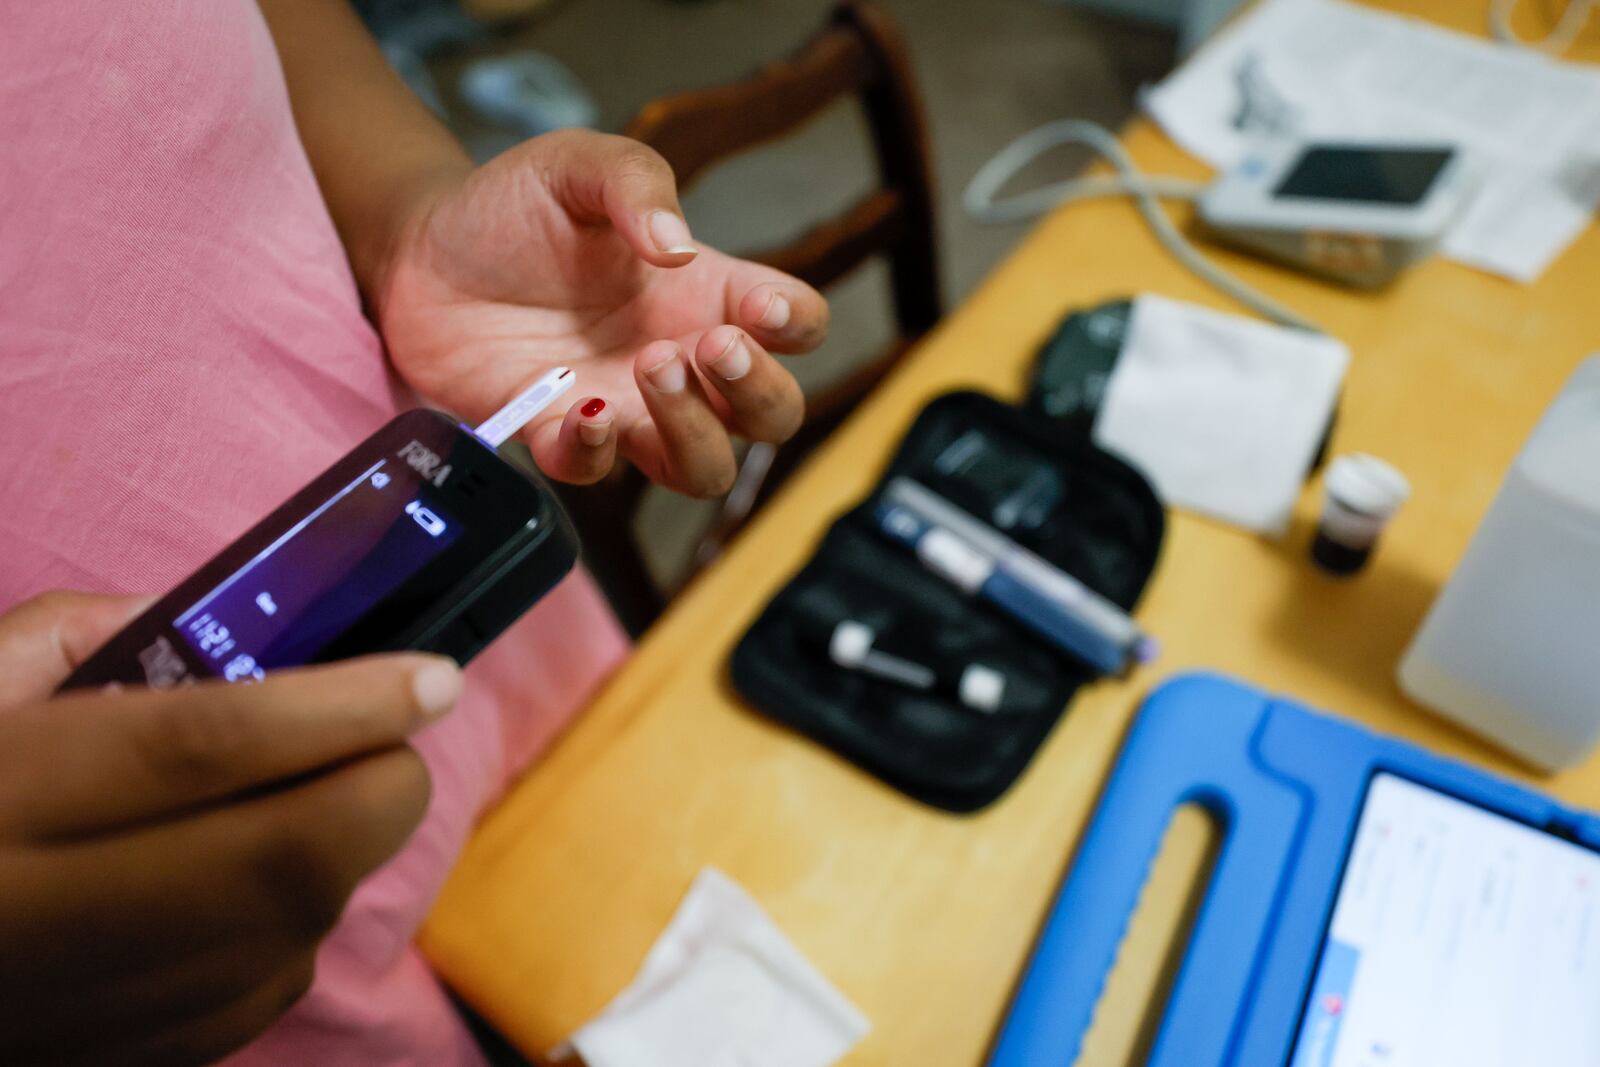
171, 859
571, 250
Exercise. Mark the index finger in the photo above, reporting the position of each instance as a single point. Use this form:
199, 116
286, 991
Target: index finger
45, 639
86, 763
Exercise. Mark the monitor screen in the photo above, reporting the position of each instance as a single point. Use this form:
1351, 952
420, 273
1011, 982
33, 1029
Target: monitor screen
327, 571
1398, 176
1459, 938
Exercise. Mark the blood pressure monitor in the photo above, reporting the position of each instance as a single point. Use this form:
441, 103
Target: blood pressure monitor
423, 537
1356, 212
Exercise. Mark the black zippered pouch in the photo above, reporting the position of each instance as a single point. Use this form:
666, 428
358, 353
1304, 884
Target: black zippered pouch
1036, 480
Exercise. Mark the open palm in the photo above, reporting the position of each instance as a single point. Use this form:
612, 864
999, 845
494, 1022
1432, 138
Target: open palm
571, 250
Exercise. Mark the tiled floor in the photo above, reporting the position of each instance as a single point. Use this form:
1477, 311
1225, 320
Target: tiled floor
989, 70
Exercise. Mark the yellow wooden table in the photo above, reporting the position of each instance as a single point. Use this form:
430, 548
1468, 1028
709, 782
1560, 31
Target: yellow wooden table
924, 919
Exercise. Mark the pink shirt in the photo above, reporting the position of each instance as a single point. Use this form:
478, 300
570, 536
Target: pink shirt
181, 347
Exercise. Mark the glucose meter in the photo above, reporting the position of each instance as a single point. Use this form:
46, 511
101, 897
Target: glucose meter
1356, 212
423, 537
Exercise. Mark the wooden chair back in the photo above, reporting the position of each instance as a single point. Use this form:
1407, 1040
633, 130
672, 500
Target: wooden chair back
859, 53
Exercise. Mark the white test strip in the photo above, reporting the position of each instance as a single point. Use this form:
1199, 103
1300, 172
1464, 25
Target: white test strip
498, 428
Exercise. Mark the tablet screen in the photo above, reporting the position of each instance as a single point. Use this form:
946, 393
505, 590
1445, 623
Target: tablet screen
1459, 938
1400, 176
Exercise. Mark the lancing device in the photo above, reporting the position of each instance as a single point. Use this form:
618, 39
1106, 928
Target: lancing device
423, 537
982, 562
856, 646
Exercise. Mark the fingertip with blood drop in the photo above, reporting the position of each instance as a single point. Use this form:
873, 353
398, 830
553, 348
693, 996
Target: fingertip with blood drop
594, 428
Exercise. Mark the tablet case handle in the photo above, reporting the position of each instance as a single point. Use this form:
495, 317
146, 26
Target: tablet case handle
1205, 759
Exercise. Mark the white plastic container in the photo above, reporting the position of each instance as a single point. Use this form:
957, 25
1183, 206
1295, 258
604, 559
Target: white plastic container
1511, 649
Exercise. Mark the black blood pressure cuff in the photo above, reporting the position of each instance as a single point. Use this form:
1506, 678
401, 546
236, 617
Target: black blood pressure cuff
1047, 489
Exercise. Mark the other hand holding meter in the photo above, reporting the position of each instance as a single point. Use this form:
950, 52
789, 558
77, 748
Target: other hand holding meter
173, 858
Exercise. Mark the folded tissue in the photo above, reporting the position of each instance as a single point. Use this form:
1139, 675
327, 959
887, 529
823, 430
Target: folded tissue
721, 987
1223, 414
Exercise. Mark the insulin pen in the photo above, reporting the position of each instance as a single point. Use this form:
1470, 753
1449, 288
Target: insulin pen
984, 563
498, 428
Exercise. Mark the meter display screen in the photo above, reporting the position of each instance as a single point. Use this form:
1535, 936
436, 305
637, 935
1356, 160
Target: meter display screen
1394, 176
335, 565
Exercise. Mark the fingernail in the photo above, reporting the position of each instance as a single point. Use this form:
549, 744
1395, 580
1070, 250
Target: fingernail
733, 362
668, 376
671, 234
777, 313
437, 686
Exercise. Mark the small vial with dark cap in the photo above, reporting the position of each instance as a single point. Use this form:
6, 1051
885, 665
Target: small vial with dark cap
1361, 494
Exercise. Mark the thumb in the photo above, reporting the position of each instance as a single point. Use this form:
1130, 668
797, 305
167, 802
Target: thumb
92, 761
45, 639
601, 177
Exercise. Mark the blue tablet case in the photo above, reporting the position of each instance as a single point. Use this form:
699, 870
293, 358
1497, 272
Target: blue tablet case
1285, 786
